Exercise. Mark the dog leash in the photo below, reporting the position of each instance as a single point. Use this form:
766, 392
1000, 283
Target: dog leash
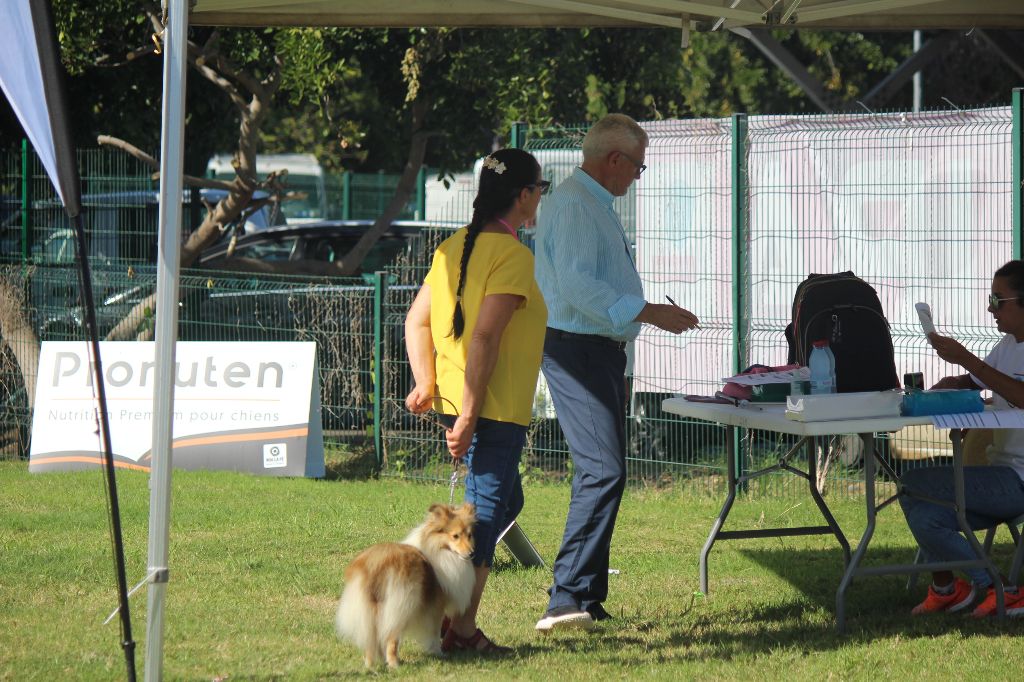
453, 481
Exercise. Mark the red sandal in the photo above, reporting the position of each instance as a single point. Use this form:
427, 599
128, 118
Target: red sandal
477, 642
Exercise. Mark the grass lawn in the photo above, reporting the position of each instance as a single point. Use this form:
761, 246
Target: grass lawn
256, 568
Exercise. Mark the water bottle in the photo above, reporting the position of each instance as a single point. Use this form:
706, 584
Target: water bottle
823, 369
832, 369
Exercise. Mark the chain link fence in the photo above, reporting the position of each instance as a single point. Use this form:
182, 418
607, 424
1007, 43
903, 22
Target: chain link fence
731, 215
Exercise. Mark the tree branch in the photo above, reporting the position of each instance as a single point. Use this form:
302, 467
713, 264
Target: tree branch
132, 150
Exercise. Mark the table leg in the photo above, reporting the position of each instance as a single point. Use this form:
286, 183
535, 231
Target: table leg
869, 530
723, 514
812, 479
956, 435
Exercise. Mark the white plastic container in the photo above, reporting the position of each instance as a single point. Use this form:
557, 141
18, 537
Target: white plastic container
833, 406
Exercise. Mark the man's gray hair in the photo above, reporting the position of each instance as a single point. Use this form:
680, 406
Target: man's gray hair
613, 133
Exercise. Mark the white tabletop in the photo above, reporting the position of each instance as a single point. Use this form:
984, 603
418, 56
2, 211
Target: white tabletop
772, 417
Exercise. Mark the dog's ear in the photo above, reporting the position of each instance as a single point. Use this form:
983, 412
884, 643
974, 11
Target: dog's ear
439, 510
468, 509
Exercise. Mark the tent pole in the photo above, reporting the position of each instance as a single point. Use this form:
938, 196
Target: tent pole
169, 253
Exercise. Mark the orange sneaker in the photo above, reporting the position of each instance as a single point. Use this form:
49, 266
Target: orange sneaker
960, 598
1013, 599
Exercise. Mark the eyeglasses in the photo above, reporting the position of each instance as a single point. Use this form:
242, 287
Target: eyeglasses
544, 185
640, 168
432, 419
995, 303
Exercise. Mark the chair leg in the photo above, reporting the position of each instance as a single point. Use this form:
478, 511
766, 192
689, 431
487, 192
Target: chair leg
990, 535
1018, 555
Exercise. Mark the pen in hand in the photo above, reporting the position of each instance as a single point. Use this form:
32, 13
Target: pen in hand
669, 299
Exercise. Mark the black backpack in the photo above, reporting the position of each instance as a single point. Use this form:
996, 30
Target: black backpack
845, 310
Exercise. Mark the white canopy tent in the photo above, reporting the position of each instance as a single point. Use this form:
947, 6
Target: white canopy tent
821, 14
685, 15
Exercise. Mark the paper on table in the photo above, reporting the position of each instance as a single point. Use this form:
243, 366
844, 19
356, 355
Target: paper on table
783, 377
989, 419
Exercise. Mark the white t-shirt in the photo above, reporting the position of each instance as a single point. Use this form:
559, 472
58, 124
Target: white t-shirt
1007, 447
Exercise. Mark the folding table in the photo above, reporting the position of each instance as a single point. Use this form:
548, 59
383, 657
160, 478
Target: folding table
771, 417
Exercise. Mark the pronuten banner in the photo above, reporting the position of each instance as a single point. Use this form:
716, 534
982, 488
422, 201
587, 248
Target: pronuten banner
238, 406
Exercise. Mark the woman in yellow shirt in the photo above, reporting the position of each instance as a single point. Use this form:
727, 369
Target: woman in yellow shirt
475, 336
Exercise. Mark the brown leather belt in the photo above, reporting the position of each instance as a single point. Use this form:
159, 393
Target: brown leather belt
588, 338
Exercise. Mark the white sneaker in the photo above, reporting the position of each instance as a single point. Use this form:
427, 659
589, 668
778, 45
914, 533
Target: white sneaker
565, 618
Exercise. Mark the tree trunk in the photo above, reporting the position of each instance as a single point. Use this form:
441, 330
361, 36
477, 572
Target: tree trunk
406, 185
16, 331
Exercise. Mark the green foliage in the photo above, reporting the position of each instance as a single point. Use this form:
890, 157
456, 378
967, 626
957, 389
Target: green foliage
345, 92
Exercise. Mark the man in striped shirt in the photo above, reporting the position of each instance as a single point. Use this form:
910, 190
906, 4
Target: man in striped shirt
595, 300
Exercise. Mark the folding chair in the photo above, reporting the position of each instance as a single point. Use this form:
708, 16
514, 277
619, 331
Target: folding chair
990, 534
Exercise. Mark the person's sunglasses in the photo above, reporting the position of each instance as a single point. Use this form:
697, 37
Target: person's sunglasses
640, 168
995, 303
544, 185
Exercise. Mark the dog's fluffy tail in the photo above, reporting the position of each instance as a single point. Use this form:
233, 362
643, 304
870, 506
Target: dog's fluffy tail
368, 620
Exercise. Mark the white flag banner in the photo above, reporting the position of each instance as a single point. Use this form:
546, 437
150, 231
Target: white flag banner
21, 78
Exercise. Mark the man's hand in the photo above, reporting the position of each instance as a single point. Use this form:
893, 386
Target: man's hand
671, 318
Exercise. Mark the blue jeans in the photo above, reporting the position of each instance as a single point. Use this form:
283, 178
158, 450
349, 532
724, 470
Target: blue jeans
493, 483
992, 495
589, 393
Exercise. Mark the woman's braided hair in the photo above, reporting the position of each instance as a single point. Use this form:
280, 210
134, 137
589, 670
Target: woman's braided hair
504, 175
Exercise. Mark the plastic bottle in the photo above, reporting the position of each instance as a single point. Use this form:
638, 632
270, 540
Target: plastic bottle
822, 366
832, 369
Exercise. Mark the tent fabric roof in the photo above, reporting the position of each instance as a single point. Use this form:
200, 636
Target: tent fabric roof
702, 14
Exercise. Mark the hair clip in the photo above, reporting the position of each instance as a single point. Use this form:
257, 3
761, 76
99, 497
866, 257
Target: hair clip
495, 165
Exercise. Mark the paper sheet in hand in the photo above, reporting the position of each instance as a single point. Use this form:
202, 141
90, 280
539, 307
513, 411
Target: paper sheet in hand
784, 377
989, 419
924, 313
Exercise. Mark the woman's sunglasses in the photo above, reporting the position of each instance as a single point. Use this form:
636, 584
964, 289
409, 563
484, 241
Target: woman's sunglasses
995, 303
545, 186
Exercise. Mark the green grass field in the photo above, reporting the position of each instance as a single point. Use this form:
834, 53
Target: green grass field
256, 568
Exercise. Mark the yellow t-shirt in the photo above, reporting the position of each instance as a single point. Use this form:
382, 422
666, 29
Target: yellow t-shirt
498, 265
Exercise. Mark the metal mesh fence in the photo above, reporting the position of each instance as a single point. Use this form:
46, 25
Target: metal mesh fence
918, 205
729, 218
370, 194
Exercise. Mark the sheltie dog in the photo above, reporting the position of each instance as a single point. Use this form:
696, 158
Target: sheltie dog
393, 590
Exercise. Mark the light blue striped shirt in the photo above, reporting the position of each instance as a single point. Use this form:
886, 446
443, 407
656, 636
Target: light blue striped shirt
585, 267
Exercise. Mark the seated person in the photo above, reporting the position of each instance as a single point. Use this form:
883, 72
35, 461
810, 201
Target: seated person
993, 494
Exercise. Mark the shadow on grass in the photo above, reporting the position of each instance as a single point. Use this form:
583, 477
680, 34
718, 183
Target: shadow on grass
816, 574
877, 608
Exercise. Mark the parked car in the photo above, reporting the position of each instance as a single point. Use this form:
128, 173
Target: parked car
222, 299
322, 243
311, 250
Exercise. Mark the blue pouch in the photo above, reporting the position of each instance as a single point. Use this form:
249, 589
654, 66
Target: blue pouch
951, 401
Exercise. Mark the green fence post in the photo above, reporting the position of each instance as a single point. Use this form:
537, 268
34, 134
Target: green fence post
518, 135
421, 194
379, 284
740, 274
26, 202
1016, 190
346, 195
